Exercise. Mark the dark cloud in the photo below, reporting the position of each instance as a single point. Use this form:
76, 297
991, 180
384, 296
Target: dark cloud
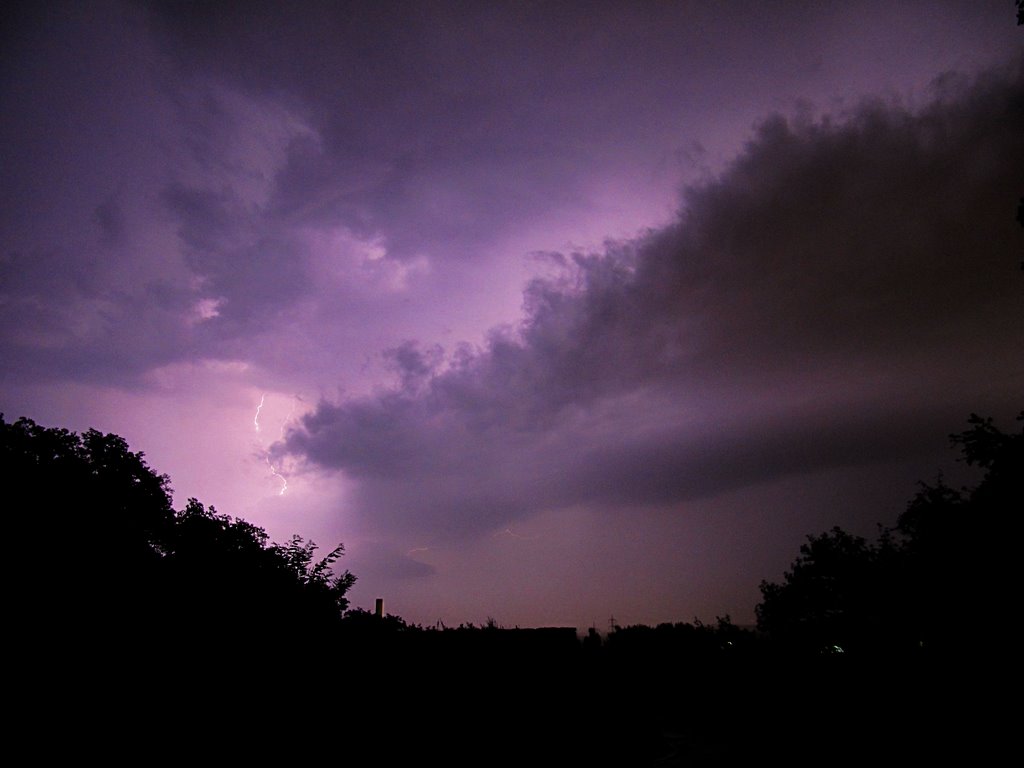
410, 111
844, 293
375, 560
79, 299
252, 267
441, 128
170, 149
413, 364
37, 275
110, 337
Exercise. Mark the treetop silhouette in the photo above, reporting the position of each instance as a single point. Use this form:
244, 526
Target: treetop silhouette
927, 583
103, 554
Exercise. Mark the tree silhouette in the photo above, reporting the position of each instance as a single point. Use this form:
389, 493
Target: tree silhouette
826, 596
97, 551
927, 583
226, 579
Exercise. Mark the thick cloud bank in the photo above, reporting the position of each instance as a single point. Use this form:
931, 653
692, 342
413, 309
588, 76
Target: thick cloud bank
844, 293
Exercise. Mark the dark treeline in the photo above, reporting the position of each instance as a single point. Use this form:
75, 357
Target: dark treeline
864, 647
935, 583
101, 556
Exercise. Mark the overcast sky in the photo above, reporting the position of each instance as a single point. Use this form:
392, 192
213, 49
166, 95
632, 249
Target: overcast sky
550, 312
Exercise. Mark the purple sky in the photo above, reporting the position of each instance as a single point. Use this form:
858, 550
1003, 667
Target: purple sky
555, 312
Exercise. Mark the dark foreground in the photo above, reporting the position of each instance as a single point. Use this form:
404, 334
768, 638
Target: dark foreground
374, 709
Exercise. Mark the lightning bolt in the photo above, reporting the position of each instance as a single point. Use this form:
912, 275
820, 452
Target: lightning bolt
261, 451
275, 473
270, 464
256, 418
417, 549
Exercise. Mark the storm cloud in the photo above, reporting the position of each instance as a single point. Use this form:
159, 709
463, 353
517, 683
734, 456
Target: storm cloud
801, 314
